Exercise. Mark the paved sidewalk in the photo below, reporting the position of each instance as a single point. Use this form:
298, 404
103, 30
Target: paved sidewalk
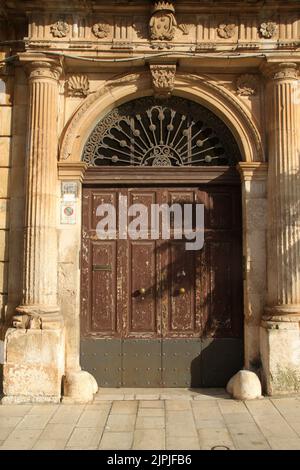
154, 419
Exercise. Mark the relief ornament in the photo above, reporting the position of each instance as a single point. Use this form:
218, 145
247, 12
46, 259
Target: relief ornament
267, 30
78, 85
226, 31
247, 85
163, 23
101, 30
163, 77
59, 29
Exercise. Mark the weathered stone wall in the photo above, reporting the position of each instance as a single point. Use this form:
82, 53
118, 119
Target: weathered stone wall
6, 102
17, 190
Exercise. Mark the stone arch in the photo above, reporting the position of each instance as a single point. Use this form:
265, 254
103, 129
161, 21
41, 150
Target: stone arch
127, 87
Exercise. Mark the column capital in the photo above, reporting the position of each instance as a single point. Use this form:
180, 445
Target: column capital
281, 71
250, 171
43, 69
71, 170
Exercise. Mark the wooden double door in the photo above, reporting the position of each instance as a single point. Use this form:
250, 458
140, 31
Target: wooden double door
154, 314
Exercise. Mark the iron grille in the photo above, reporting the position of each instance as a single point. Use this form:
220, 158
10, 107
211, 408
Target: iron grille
149, 132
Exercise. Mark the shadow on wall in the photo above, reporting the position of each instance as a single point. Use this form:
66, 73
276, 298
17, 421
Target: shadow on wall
219, 360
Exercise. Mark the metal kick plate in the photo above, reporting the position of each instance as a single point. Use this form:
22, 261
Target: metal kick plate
181, 362
102, 358
209, 362
221, 358
141, 363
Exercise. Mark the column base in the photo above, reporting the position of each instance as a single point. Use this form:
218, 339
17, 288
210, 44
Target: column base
37, 317
33, 365
280, 355
79, 387
290, 313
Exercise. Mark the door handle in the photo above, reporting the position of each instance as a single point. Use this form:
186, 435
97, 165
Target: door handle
181, 290
142, 291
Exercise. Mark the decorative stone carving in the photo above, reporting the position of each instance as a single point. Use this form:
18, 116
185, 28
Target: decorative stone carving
163, 79
281, 71
122, 45
247, 45
140, 26
78, 85
162, 22
186, 28
205, 46
38, 44
288, 44
286, 71
40, 69
247, 85
101, 30
190, 80
161, 45
59, 29
226, 31
268, 29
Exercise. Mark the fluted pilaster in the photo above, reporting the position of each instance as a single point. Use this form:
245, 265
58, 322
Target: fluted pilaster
283, 269
40, 248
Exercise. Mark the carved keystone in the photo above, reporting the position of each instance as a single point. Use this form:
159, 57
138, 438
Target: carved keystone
163, 77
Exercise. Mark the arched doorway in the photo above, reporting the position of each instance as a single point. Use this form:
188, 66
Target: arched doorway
152, 313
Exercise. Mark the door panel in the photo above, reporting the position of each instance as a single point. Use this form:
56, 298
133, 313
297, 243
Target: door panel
153, 313
103, 287
181, 318
143, 316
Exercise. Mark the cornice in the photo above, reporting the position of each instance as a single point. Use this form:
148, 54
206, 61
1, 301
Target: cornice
250, 171
72, 171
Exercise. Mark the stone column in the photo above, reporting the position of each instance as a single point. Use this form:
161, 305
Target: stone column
40, 251
280, 339
34, 349
78, 385
253, 176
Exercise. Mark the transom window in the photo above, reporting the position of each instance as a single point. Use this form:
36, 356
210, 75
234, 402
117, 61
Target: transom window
151, 132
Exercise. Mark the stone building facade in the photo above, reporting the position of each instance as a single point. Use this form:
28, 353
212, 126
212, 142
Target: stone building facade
68, 66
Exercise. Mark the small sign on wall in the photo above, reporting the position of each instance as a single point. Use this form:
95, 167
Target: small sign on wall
68, 212
69, 189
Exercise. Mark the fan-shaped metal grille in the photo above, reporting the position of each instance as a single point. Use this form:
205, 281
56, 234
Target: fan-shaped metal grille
149, 132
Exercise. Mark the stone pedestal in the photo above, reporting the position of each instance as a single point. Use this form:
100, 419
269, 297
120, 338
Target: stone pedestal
280, 333
280, 355
34, 365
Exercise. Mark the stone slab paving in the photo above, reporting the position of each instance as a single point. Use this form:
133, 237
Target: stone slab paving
162, 419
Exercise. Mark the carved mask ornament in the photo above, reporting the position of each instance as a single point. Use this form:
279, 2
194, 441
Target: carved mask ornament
162, 22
